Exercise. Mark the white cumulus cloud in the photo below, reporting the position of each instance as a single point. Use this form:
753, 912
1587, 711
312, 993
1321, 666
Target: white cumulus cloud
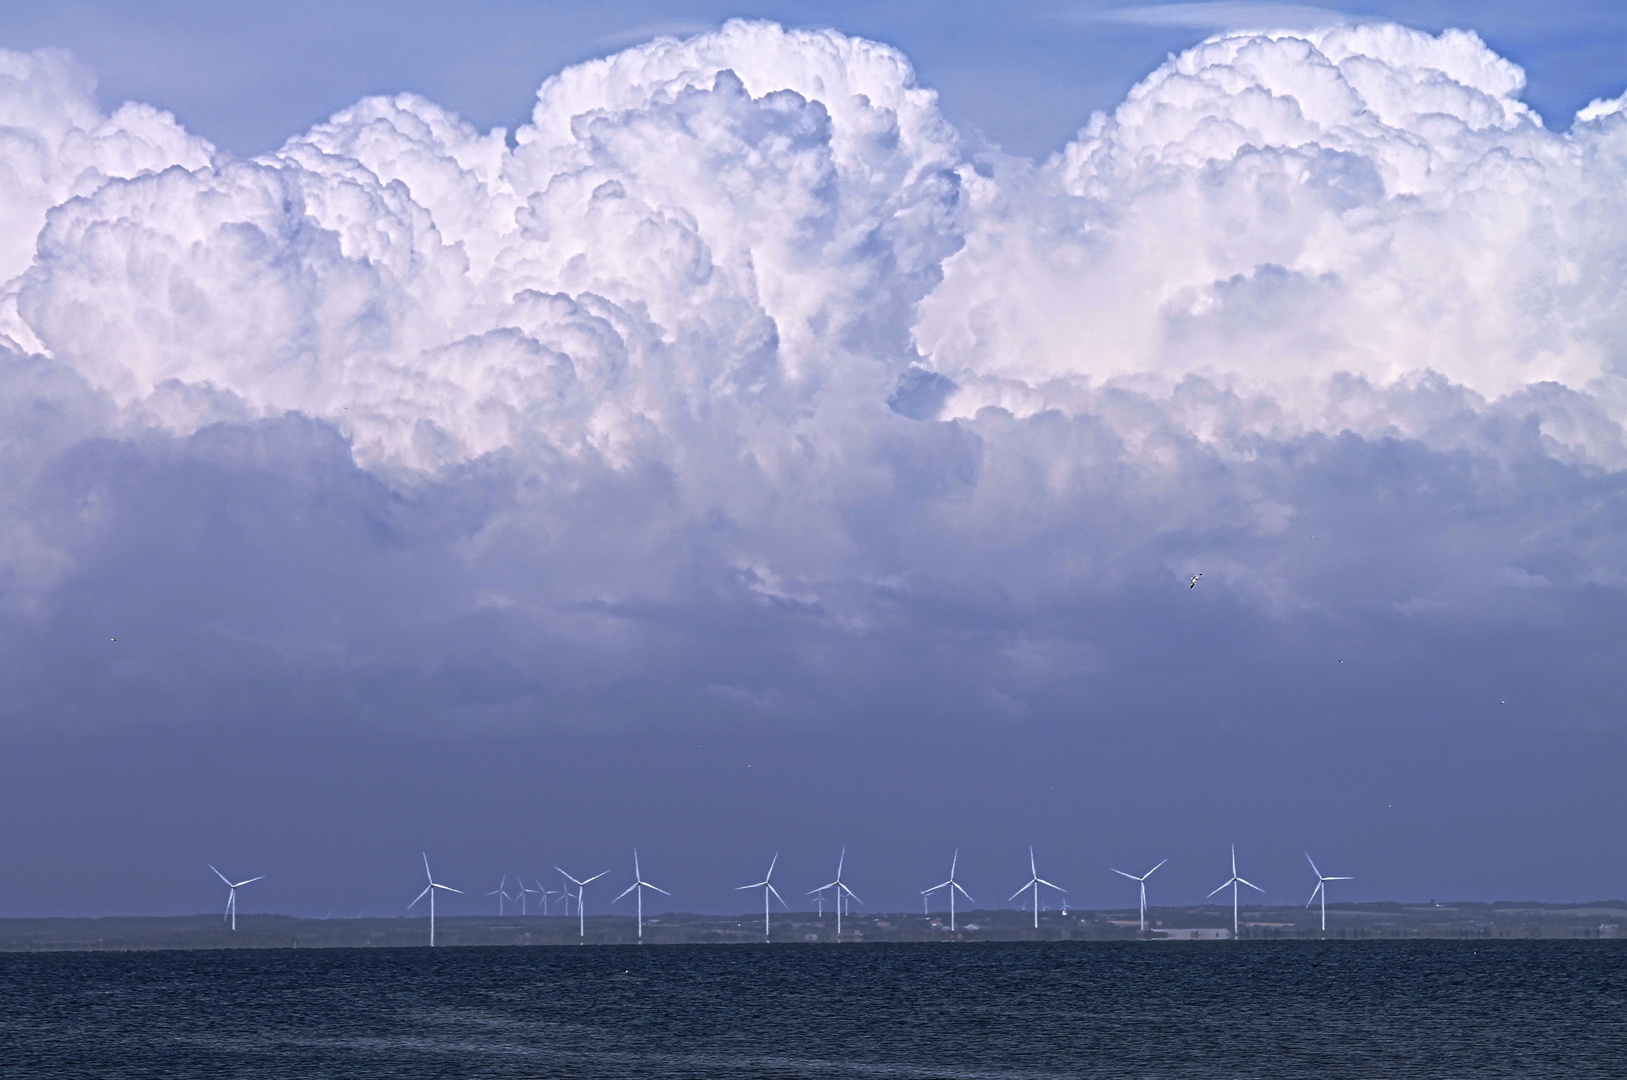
733, 381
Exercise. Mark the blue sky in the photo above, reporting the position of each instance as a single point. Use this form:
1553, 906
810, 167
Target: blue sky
749, 452
1027, 74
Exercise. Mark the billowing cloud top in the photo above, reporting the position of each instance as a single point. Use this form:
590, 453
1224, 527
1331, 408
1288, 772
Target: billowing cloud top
735, 386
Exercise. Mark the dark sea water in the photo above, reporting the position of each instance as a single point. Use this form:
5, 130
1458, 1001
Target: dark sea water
1328, 1010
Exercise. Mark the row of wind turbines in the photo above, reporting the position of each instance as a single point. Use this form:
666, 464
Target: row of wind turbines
843, 896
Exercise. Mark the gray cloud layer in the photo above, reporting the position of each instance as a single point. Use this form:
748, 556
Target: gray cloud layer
734, 389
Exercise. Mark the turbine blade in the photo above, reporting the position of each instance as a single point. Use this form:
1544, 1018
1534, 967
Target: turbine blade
753, 885
1312, 861
777, 896
1338, 879
1121, 873
1019, 892
420, 896
250, 881
219, 875
1314, 891
657, 888
1221, 886
572, 880
1250, 884
771, 863
629, 889
1042, 881
1154, 870
964, 893
448, 888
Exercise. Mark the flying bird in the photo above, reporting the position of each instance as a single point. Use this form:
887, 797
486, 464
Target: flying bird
1195, 578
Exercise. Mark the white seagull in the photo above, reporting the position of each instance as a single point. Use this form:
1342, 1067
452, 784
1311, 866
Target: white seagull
1195, 578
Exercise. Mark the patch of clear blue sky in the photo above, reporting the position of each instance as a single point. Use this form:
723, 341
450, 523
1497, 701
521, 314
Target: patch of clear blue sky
1025, 73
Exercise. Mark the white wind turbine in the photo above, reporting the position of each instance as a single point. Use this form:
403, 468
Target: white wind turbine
953, 886
501, 892
581, 924
1234, 881
841, 889
1321, 889
429, 891
638, 886
1034, 882
231, 893
767, 887
1142, 881
525, 890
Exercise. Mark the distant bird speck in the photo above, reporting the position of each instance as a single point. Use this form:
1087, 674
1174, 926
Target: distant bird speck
1195, 578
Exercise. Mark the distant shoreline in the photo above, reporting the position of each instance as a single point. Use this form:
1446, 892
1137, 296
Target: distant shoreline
1369, 922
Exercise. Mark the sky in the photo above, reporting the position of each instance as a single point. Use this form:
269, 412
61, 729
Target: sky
520, 433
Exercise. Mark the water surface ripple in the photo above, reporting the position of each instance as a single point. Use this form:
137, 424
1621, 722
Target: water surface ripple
1329, 1010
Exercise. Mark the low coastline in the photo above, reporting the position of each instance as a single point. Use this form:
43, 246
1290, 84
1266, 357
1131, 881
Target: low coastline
1373, 921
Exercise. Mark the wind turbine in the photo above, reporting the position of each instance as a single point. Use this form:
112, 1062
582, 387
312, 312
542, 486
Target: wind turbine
581, 924
501, 892
841, 888
953, 886
767, 888
1034, 882
524, 889
1321, 889
638, 886
1142, 880
429, 891
231, 893
1234, 881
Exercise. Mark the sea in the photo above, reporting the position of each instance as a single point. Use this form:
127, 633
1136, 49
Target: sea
1288, 1009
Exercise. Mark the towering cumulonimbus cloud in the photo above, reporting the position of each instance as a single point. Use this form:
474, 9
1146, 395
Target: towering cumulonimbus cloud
735, 385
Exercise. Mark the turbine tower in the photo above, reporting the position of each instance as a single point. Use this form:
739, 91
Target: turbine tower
581, 923
1234, 881
767, 888
231, 893
1142, 880
638, 886
429, 891
1034, 882
1321, 889
841, 888
953, 886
